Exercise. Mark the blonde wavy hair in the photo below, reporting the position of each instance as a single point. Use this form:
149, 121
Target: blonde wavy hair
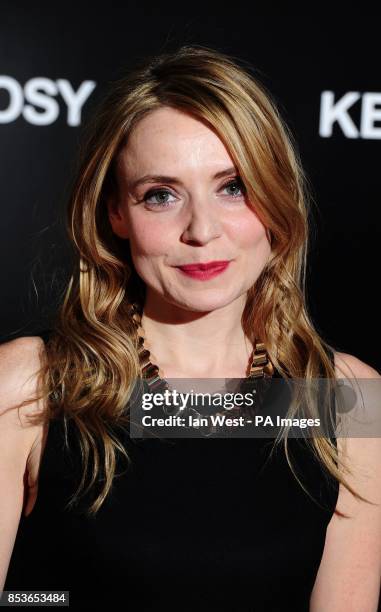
91, 358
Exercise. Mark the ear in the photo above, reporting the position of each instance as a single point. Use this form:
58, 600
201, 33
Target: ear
116, 217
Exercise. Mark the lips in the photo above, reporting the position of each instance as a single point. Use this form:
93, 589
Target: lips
210, 265
203, 271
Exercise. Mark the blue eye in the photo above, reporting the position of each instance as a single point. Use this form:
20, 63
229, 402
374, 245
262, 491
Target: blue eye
237, 181
165, 203
155, 193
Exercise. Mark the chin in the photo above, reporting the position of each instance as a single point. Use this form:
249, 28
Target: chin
201, 303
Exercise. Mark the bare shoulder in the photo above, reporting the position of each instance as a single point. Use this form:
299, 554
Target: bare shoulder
359, 373
20, 361
350, 568
361, 453
349, 366
21, 438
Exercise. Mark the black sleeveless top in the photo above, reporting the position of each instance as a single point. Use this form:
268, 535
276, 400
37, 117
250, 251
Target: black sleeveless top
195, 524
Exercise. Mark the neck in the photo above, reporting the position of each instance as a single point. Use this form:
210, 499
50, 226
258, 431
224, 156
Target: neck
190, 344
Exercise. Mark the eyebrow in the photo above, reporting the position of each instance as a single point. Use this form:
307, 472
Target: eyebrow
160, 178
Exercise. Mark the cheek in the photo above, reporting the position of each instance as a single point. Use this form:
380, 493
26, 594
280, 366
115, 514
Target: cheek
249, 233
145, 240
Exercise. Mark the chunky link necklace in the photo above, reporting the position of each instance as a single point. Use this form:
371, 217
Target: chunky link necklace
260, 367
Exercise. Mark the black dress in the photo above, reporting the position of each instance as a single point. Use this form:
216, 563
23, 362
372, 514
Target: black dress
195, 524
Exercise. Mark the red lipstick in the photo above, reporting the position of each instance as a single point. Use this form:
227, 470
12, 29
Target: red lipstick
204, 271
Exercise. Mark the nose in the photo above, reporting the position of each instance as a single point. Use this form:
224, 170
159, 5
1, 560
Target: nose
203, 224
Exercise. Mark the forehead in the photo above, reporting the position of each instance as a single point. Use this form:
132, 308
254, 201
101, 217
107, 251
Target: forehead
171, 136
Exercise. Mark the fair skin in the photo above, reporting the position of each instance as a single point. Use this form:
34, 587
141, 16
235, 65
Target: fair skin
194, 329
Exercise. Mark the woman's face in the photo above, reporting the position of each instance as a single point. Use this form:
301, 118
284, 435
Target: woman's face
181, 202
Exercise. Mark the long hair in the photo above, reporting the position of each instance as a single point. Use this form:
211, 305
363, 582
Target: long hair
91, 359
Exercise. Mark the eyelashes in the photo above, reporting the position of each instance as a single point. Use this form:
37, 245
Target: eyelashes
152, 193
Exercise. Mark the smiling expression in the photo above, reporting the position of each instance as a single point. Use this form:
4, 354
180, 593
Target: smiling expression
180, 202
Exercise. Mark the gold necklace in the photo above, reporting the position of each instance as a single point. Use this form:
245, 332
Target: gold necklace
260, 364
260, 369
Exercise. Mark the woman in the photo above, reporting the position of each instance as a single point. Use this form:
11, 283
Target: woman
187, 163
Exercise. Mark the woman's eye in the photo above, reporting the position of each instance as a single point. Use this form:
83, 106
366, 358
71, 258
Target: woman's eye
161, 194
236, 183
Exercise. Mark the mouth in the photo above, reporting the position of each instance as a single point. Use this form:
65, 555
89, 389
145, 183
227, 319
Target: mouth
204, 271
204, 266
